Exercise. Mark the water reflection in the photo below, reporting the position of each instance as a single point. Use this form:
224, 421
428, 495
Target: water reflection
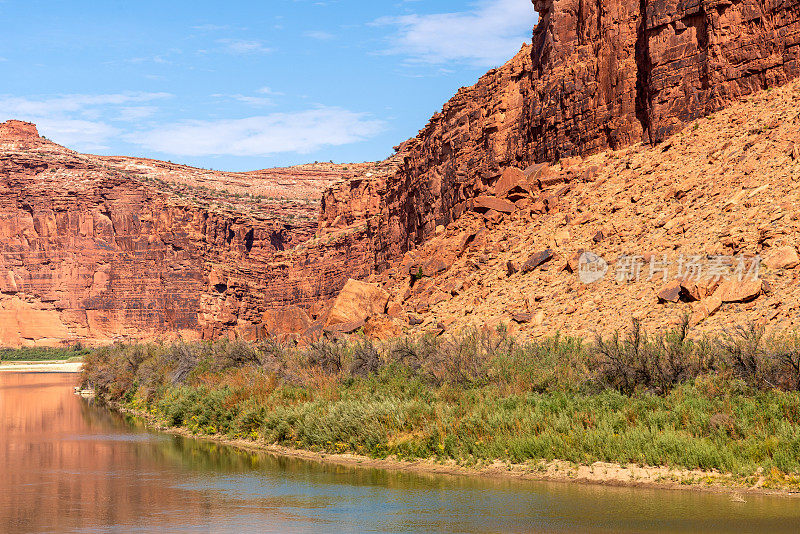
68, 466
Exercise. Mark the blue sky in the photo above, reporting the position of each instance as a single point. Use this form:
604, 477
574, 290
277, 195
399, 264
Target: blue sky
243, 85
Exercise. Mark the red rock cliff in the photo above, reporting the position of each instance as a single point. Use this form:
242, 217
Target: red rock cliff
100, 249
599, 74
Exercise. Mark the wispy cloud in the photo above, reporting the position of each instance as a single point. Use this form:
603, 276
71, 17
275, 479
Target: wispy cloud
262, 98
242, 46
320, 35
61, 104
299, 132
487, 35
211, 27
84, 122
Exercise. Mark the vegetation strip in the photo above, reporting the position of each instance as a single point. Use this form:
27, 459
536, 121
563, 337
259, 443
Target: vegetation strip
43, 354
719, 412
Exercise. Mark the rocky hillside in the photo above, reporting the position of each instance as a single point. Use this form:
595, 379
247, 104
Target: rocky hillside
724, 189
598, 75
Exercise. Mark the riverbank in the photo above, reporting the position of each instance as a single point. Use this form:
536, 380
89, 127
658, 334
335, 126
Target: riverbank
559, 409
598, 473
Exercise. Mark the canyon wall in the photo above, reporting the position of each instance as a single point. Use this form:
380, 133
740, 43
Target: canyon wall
598, 75
93, 252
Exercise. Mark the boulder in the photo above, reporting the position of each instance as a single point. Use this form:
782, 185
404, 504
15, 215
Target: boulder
382, 327
493, 216
394, 310
782, 258
512, 267
414, 319
356, 303
733, 290
434, 265
671, 292
485, 203
511, 181
704, 309
574, 260
536, 259
522, 317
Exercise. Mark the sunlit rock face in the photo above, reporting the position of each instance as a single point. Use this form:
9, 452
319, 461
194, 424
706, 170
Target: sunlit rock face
99, 249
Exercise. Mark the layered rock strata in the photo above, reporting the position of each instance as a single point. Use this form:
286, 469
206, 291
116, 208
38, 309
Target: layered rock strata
102, 249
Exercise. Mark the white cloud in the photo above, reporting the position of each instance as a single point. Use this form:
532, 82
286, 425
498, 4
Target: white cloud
61, 104
488, 35
241, 46
300, 132
76, 133
80, 121
92, 123
254, 101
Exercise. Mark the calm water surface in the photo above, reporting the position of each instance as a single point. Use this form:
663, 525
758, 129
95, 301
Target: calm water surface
66, 466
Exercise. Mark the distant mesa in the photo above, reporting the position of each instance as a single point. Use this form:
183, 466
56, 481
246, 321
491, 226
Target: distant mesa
18, 130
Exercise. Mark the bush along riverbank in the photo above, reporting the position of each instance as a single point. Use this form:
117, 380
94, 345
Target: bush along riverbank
728, 406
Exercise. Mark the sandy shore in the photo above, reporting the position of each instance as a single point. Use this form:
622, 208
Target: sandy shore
598, 473
55, 366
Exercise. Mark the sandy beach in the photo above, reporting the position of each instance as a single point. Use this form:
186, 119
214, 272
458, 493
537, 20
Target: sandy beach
56, 366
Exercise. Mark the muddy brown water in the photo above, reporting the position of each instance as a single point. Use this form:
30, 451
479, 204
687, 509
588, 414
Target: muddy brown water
69, 466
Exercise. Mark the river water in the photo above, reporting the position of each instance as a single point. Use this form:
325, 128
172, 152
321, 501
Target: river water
68, 466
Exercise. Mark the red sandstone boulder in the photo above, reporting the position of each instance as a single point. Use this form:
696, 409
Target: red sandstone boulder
434, 265
671, 292
356, 303
782, 258
382, 327
513, 184
486, 203
734, 290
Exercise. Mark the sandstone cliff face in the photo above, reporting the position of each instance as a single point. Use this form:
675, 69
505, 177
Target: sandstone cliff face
598, 75
101, 249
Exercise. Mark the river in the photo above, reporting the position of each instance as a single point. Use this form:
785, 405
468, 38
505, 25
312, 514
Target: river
68, 466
